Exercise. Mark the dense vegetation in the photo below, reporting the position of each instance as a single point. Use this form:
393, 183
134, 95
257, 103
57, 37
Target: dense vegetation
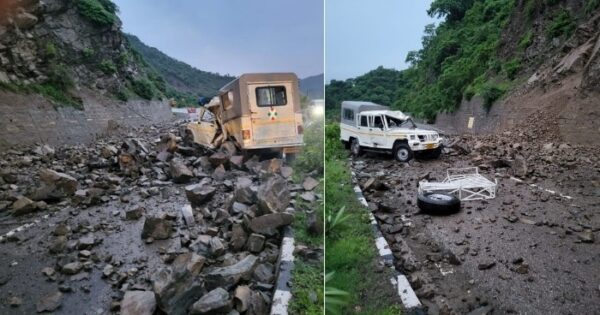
458, 60
184, 83
99, 12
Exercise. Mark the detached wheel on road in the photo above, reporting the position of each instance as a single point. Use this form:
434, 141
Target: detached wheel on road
402, 152
355, 147
438, 203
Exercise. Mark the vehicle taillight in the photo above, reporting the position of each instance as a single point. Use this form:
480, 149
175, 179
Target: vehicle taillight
300, 129
246, 134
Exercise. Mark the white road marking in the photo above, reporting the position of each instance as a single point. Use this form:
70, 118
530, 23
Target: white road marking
552, 192
281, 300
287, 249
382, 246
22, 228
406, 293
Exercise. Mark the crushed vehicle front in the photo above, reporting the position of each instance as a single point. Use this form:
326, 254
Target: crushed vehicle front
401, 125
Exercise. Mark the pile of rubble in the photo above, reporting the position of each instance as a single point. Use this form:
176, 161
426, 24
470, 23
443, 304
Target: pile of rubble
213, 218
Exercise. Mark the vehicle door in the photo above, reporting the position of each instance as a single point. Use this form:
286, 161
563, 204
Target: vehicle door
205, 129
378, 131
272, 111
363, 133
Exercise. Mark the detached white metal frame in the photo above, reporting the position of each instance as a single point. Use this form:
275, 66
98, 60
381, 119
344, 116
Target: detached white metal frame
467, 183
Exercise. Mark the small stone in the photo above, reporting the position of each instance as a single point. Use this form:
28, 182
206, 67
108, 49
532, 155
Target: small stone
256, 243
215, 301
310, 183
72, 268
486, 265
49, 302
135, 213
14, 301
138, 303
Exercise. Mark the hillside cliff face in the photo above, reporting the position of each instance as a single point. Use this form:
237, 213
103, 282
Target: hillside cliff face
57, 47
68, 75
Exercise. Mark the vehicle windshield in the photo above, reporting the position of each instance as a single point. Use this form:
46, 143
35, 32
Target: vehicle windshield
394, 123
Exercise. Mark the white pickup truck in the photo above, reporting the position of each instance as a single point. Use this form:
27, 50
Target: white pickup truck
373, 127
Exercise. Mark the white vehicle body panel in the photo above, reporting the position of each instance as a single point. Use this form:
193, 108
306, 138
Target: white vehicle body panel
378, 128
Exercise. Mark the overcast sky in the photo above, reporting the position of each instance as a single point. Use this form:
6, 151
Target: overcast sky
232, 36
362, 35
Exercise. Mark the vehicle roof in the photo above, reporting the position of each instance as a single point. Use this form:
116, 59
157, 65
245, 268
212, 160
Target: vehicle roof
260, 78
360, 106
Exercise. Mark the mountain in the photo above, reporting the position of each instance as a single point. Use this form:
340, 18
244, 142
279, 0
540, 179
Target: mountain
180, 76
312, 86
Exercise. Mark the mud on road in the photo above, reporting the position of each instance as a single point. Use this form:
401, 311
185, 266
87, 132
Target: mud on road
105, 229
528, 251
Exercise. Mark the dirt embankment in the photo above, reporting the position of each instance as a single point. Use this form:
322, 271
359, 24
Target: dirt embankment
563, 90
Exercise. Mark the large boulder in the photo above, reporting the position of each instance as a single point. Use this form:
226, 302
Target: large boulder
55, 186
269, 223
273, 195
23, 205
218, 158
215, 301
244, 191
157, 228
138, 303
177, 287
229, 276
180, 173
198, 194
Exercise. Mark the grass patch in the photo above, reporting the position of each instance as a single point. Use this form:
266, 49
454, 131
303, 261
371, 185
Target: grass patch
490, 94
99, 12
526, 40
108, 67
350, 251
562, 24
307, 287
307, 290
143, 88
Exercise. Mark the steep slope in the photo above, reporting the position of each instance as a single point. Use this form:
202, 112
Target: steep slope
312, 86
183, 80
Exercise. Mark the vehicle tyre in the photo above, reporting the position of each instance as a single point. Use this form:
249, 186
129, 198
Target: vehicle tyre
435, 153
438, 203
355, 147
402, 152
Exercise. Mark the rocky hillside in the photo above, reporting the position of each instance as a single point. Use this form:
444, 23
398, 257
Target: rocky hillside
185, 82
61, 49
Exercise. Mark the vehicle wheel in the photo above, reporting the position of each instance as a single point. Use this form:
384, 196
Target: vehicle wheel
438, 203
402, 152
435, 153
355, 147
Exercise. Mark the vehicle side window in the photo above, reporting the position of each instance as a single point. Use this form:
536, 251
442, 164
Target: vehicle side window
227, 100
271, 96
348, 114
363, 121
378, 123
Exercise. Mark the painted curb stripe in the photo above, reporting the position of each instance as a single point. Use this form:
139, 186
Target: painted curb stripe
283, 294
407, 294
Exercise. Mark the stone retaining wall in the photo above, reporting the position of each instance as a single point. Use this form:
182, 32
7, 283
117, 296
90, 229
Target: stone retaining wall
29, 119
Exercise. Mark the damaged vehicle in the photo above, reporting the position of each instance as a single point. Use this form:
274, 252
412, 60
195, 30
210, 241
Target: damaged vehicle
257, 111
366, 126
